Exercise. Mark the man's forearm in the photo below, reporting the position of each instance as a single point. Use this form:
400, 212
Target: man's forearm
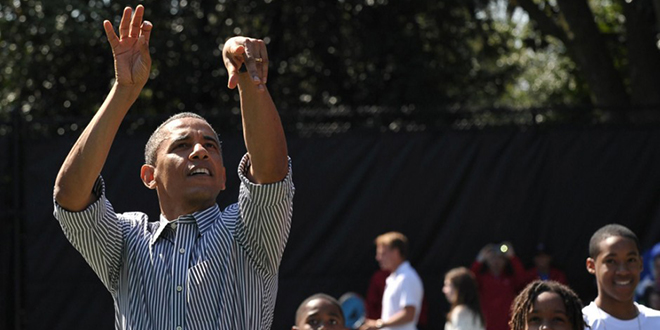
406, 315
82, 166
263, 133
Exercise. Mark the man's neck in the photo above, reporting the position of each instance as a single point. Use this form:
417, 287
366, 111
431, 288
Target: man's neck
621, 310
172, 213
396, 266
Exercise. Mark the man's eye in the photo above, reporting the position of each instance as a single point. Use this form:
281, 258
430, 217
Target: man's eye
334, 322
209, 145
313, 322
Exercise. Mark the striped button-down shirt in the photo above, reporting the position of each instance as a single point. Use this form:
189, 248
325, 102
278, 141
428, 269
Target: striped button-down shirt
209, 270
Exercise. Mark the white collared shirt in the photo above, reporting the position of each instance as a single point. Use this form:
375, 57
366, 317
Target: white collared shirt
402, 288
598, 319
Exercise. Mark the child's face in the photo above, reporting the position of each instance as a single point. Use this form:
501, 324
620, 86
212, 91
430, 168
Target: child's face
617, 268
450, 291
320, 314
548, 312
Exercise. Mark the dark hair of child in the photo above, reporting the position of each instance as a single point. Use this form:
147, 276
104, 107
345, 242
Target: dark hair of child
524, 302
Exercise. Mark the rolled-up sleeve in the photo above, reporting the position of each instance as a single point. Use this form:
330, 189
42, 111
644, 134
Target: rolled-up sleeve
97, 234
265, 211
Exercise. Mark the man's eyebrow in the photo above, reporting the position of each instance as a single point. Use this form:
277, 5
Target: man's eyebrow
181, 137
212, 138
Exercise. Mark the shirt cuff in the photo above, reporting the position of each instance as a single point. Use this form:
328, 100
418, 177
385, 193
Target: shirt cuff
85, 219
264, 194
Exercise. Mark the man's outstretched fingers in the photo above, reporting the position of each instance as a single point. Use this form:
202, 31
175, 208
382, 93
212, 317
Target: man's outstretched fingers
136, 22
110, 33
125, 24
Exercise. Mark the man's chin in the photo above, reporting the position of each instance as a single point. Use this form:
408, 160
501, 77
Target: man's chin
202, 196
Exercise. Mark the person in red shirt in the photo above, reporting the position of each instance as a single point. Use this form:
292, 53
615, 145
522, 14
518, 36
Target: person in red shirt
500, 276
543, 268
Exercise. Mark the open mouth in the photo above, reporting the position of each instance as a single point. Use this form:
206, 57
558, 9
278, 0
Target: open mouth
623, 283
199, 171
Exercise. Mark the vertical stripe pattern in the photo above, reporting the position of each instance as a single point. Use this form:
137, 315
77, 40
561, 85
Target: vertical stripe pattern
209, 270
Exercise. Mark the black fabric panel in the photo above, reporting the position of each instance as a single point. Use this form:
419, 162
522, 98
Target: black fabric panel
7, 218
450, 192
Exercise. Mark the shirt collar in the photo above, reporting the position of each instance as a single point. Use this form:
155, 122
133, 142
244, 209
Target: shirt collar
203, 219
403, 266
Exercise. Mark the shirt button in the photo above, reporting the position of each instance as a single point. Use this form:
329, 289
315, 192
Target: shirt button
173, 225
179, 288
179, 328
182, 250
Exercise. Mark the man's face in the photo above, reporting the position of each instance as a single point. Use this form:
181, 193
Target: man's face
617, 268
189, 166
320, 314
388, 258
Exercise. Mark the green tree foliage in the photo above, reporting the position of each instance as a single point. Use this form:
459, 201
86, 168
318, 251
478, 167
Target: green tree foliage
613, 43
324, 54
327, 56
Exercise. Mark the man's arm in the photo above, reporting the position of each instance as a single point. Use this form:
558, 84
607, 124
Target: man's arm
406, 315
262, 128
82, 166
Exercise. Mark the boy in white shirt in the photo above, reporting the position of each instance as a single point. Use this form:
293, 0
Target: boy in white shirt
615, 260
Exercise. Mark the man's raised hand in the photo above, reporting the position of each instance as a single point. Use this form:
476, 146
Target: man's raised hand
252, 52
131, 48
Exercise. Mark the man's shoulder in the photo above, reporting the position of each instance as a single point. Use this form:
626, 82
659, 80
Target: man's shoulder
590, 312
649, 313
409, 276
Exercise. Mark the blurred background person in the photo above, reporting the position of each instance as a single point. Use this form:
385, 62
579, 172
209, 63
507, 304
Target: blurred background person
650, 274
460, 289
543, 267
500, 275
374, 299
651, 297
402, 299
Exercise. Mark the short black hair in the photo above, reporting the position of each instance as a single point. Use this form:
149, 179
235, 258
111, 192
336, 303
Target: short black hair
315, 296
157, 137
607, 231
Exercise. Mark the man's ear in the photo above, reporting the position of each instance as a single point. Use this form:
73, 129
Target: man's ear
147, 175
224, 178
591, 266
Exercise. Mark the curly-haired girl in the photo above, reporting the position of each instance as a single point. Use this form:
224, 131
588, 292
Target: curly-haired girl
547, 305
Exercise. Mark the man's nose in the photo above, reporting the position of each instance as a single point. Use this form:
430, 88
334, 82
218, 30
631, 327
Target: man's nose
622, 267
199, 152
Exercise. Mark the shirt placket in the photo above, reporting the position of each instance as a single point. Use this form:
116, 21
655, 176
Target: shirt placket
184, 237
